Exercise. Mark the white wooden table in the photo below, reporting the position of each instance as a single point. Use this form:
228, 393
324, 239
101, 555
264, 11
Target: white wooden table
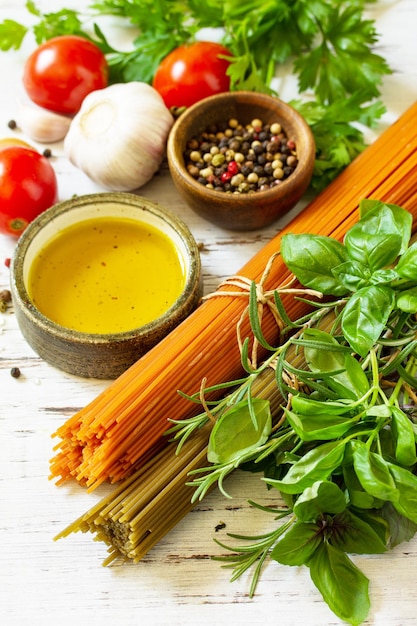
44, 582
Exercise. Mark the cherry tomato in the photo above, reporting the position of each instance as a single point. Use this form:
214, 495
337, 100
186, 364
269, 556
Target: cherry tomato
192, 72
62, 71
28, 186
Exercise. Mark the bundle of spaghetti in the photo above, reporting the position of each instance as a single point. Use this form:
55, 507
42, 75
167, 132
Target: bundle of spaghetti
111, 436
143, 508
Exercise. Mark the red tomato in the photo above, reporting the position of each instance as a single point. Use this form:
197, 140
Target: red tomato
28, 186
62, 71
192, 72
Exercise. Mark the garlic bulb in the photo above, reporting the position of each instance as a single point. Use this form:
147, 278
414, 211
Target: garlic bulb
40, 124
118, 137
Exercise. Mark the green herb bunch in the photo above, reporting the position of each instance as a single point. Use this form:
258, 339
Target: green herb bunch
326, 44
341, 452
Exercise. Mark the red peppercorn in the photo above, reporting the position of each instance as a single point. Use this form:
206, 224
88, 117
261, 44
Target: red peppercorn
225, 177
7, 262
291, 144
233, 168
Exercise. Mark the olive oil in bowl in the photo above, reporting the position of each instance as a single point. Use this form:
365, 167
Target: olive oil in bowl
100, 279
106, 275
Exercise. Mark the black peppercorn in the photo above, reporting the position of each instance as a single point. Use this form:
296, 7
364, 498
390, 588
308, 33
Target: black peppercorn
15, 372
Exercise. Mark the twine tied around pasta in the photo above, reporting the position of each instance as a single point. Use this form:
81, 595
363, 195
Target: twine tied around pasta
264, 298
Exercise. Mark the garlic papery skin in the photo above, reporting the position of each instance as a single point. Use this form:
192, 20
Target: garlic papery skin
118, 137
40, 124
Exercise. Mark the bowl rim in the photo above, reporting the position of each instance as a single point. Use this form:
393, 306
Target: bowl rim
24, 302
177, 163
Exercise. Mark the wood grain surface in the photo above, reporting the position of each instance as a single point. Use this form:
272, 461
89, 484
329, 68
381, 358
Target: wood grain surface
43, 582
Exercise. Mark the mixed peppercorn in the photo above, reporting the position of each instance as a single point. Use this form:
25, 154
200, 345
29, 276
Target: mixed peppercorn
5, 300
241, 159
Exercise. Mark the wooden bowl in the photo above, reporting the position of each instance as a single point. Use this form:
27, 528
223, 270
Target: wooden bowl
241, 211
103, 355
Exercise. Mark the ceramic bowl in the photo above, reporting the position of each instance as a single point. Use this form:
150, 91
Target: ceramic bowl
241, 211
96, 355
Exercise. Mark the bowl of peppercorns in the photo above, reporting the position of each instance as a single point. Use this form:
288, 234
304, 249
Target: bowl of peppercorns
241, 159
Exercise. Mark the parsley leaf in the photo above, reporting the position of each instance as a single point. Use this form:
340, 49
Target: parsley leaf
63, 22
162, 26
338, 137
11, 35
331, 67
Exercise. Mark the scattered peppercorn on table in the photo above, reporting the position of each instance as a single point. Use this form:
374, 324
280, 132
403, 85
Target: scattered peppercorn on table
43, 582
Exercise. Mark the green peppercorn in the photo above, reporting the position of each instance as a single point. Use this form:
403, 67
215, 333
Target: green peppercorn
218, 159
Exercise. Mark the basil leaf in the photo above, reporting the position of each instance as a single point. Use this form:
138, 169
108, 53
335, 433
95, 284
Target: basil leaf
357, 495
405, 445
317, 464
352, 274
343, 586
312, 258
319, 427
356, 536
352, 382
383, 277
234, 433
368, 204
365, 316
378, 410
381, 250
407, 265
322, 497
407, 300
375, 240
354, 378
297, 545
402, 218
406, 483
401, 528
311, 407
373, 472
378, 522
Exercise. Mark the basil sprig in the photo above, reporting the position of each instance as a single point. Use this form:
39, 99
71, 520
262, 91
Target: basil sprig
362, 269
341, 452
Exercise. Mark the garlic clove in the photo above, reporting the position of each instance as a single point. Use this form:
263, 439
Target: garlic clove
40, 124
118, 137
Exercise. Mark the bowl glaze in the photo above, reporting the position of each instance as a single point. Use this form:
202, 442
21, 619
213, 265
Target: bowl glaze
238, 211
103, 356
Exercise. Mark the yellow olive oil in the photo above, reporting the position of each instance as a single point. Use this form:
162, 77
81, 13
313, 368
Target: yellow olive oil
106, 275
